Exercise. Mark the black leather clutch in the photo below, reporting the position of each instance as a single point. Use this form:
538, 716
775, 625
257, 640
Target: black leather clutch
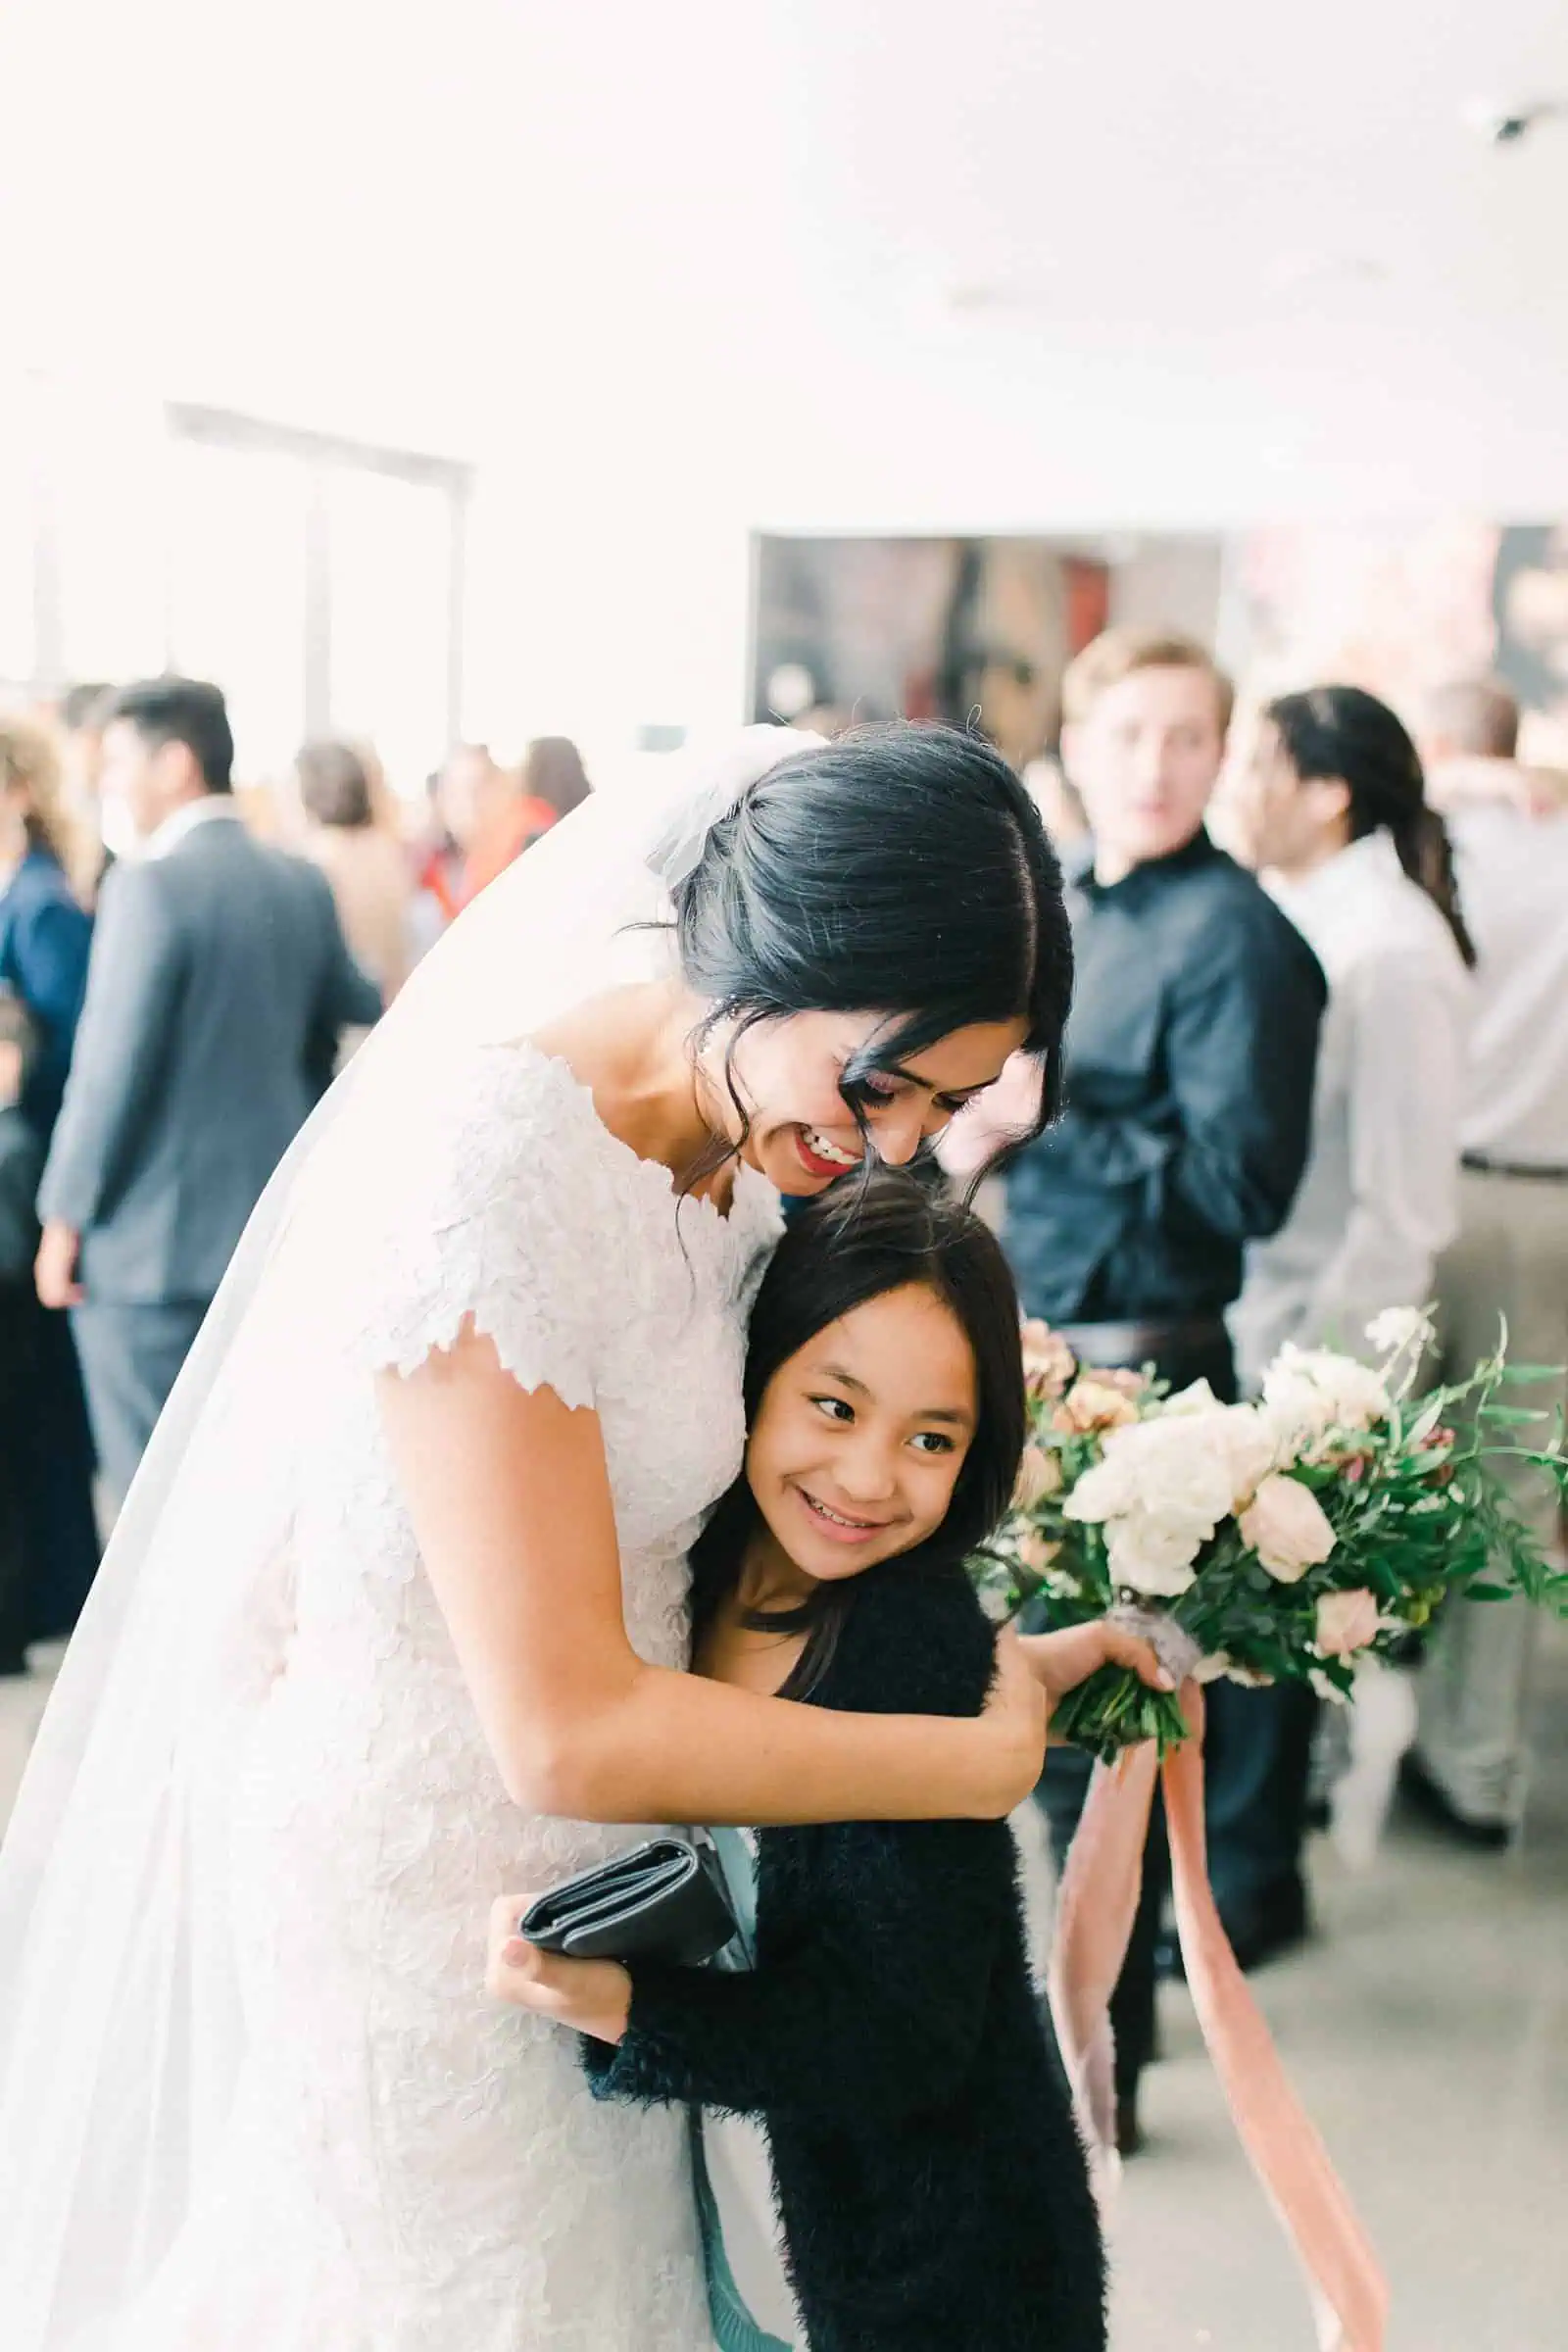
664, 1900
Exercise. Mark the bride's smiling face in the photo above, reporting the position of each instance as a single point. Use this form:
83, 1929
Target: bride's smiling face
800, 1131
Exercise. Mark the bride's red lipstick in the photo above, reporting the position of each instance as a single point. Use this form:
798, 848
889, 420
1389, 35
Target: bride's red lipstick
812, 1161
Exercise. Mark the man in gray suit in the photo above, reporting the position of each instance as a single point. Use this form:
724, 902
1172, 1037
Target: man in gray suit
218, 984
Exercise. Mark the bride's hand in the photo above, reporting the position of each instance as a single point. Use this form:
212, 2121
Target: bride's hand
592, 1996
1061, 1661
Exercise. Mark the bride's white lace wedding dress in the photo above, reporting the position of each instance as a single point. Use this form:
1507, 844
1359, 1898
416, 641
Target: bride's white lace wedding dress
410, 2167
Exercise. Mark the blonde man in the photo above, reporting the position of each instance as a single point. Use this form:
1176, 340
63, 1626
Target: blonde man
1189, 1072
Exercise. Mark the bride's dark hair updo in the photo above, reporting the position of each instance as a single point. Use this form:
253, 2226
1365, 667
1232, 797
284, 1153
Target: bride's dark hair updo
900, 869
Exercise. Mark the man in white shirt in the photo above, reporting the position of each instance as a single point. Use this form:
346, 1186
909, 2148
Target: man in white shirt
1510, 830
216, 992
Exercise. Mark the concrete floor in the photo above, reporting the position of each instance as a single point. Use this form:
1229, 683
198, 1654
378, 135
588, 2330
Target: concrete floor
1427, 2028
1427, 2031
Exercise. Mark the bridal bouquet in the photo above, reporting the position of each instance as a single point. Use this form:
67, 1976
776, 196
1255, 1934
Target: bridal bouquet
1280, 1539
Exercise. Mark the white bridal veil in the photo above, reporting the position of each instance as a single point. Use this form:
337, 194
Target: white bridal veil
120, 2032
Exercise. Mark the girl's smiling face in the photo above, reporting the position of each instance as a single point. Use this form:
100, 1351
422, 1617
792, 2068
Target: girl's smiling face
859, 1438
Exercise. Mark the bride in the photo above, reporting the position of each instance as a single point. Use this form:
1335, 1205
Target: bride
395, 1615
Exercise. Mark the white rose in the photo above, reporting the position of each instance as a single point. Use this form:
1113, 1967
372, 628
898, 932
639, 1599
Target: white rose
1152, 1556
1288, 1528
1103, 1491
1166, 1468
1160, 1491
1199, 1397
1402, 1328
1181, 1467
1311, 1391
1251, 1446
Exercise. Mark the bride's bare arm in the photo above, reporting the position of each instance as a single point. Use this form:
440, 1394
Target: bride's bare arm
509, 1499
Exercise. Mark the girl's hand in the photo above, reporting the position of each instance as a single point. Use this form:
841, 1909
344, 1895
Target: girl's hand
1014, 1722
592, 1996
1062, 1661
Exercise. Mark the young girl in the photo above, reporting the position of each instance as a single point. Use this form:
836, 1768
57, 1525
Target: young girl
930, 2183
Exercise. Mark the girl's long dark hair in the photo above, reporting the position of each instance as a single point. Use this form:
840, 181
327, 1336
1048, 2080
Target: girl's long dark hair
900, 869
1342, 732
838, 1253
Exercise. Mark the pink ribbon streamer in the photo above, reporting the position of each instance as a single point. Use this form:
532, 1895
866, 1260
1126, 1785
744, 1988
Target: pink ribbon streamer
1096, 1906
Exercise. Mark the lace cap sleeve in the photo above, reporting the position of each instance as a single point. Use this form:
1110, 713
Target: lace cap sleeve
493, 1206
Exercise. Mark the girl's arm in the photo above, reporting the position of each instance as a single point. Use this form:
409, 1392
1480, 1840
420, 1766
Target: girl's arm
875, 2009
510, 1498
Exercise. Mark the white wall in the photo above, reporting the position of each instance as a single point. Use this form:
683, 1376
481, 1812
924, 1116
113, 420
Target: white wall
670, 276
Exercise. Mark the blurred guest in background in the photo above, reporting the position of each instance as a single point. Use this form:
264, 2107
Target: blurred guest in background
83, 711
44, 942
218, 987
1469, 729
1332, 806
1510, 831
488, 814
1060, 807
21, 1166
1188, 1068
44, 935
437, 872
361, 857
553, 777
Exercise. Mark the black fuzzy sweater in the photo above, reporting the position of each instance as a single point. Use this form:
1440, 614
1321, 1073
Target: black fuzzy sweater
933, 2189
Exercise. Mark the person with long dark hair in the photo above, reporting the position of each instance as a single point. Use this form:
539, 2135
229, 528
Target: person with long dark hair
885, 2057
397, 1610
1333, 803
1335, 813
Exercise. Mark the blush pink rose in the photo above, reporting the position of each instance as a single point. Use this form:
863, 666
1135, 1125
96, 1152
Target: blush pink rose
1039, 1475
1049, 1363
1092, 1404
1346, 1622
1287, 1526
1131, 1383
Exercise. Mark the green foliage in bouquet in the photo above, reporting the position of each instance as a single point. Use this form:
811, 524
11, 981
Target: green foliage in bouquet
1284, 1540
